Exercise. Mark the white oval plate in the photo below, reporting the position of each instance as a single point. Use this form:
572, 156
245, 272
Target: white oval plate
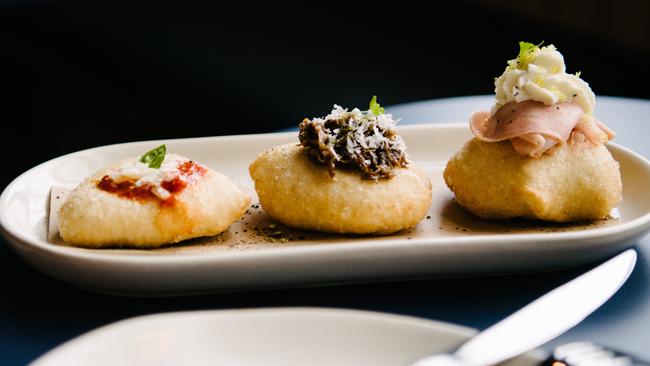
450, 242
282, 337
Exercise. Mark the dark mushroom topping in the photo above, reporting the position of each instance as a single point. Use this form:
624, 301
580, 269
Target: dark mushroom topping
366, 141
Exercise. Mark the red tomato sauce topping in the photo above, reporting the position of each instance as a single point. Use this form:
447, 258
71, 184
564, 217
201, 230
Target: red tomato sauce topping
128, 189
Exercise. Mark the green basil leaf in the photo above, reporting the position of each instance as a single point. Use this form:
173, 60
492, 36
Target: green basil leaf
375, 108
526, 50
155, 157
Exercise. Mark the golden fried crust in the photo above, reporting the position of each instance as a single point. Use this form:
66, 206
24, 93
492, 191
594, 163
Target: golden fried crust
573, 184
301, 194
91, 217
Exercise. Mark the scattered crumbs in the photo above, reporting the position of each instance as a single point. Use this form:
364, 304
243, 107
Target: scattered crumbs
428, 217
57, 197
272, 233
558, 108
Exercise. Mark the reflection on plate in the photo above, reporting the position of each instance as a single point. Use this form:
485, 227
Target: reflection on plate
257, 252
283, 336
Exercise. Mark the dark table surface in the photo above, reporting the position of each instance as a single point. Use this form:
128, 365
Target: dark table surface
38, 313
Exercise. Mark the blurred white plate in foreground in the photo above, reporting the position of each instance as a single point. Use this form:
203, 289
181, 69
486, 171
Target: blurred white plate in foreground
283, 336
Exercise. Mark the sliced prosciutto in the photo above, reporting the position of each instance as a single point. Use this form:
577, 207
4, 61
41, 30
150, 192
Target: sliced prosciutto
534, 128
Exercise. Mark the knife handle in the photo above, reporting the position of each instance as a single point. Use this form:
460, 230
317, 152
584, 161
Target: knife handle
587, 353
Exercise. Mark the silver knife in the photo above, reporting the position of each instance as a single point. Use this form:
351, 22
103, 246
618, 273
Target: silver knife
543, 319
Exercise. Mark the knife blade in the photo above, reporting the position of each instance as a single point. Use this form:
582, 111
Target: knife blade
543, 319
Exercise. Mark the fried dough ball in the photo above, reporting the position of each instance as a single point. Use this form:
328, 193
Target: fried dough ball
91, 217
299, 193
572, 184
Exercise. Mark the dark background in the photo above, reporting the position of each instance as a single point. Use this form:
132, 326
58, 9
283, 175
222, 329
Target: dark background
84, 73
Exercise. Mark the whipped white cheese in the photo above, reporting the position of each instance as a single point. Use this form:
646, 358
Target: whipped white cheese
141, 173
541, 76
